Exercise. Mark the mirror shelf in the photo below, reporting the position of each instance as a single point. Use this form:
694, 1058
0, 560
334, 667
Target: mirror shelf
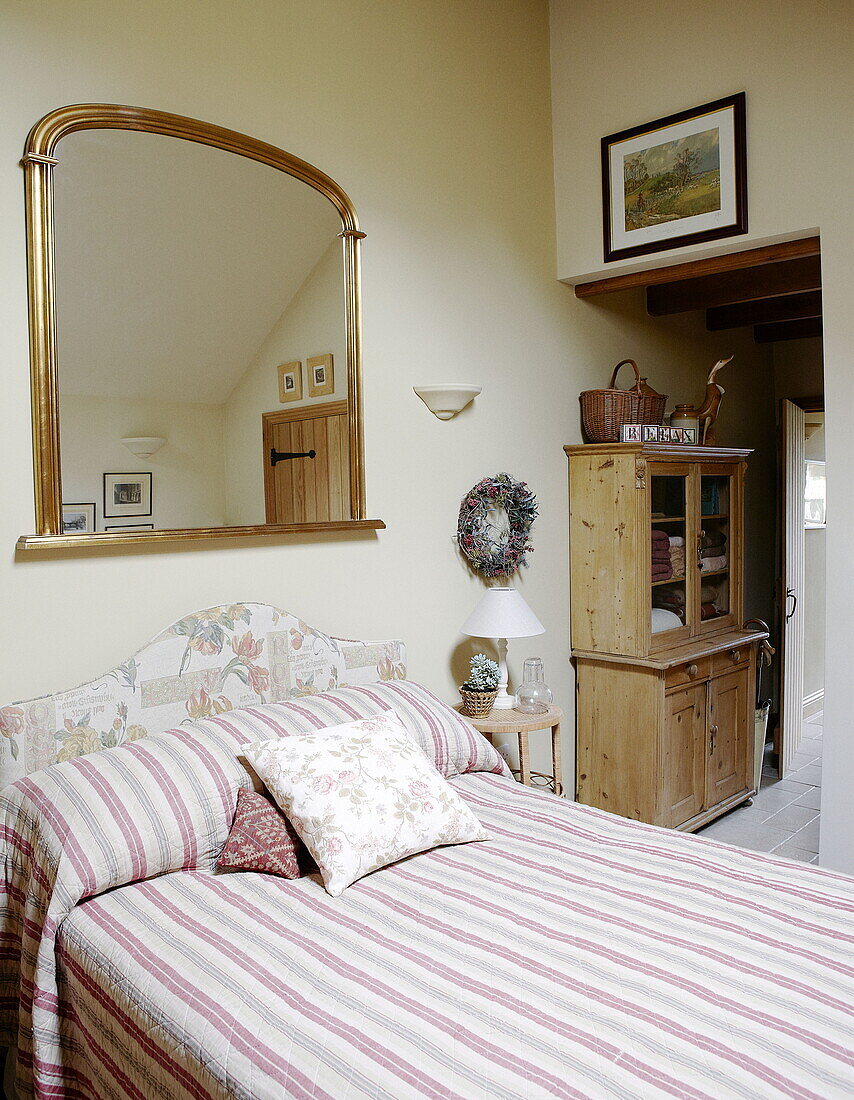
59, 383
103, 540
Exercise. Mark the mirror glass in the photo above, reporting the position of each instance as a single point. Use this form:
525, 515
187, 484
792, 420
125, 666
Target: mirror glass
201, 338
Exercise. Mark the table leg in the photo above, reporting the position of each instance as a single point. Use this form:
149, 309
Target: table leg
524, 761
556, 758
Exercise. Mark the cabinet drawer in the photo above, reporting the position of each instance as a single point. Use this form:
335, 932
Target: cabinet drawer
730, 660
691, 672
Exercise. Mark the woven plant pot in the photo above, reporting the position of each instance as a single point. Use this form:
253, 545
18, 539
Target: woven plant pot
477, 704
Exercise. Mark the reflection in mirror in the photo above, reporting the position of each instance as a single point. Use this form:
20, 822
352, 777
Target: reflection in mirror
186, 277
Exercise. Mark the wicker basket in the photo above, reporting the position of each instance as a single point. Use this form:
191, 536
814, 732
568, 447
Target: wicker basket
604, 412
477, 704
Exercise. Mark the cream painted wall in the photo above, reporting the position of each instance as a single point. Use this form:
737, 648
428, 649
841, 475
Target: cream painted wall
312, 324
435, 118
188, 471
794, 61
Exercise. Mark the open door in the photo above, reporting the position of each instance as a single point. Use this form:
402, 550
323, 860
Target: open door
792, 423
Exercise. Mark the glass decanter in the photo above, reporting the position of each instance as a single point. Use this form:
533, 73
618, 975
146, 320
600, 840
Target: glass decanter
534, 695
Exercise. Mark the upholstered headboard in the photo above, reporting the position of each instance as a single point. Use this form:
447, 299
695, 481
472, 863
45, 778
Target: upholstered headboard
206, 663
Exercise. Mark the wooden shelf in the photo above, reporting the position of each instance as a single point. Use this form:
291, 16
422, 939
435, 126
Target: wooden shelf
717, 515
667, 519
714, 573
672, 580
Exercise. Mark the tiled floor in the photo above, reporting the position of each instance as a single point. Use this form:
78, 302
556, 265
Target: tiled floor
784, 818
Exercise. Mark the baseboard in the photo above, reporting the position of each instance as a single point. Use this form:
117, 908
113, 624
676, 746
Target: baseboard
814, 704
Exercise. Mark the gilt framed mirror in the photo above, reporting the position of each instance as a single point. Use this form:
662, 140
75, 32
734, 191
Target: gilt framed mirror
181, 277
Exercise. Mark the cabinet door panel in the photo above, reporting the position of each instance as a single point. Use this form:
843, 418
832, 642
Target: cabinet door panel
730, 735
684, 754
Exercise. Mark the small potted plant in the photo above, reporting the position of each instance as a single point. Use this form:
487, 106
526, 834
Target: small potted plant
479, 690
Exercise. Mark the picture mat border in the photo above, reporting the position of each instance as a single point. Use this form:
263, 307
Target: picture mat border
327, 388
293, 367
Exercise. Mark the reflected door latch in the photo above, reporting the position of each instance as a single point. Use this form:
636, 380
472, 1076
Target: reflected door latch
283, 456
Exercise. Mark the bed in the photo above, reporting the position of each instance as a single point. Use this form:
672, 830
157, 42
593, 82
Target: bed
573, 954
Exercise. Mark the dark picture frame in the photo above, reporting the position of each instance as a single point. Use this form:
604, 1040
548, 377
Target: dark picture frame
116, 483
670, 186
70, 520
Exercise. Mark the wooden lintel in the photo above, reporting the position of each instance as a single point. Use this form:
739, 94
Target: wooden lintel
709, 265
805, 329
787, 307
745, 285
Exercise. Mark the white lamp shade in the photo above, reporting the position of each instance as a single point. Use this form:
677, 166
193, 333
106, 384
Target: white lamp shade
446, 400
502, 613
143, 446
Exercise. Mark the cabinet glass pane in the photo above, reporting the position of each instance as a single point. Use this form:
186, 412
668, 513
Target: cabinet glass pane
714, 548
667, 538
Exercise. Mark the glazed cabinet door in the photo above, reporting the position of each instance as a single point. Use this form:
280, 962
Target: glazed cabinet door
684, 754
718, 547
730, 735
671, 586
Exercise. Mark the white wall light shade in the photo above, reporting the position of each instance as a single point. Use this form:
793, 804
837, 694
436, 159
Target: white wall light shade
143, 446
446, 400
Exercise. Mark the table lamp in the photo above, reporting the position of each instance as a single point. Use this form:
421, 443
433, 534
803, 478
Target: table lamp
502, 614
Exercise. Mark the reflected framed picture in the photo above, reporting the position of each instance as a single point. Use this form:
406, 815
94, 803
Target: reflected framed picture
815, 495
290, 381
676, 181
321, 380
127, 495
78, 519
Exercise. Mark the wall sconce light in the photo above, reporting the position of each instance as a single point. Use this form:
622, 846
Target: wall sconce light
143, 446
447, 400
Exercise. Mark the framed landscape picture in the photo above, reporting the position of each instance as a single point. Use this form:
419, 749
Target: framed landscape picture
677, 181
78, 519
127, 495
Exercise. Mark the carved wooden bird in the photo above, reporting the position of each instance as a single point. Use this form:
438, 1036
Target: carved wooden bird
708, 412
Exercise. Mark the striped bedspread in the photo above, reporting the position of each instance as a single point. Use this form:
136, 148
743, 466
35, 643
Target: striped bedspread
574, 954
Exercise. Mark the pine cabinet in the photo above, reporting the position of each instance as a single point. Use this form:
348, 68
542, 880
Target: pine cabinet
665, 701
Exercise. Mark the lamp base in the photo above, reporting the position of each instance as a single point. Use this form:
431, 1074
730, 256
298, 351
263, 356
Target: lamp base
503, 701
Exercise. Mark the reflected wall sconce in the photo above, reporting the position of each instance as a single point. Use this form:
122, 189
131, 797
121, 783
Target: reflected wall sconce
143, 446
447, 400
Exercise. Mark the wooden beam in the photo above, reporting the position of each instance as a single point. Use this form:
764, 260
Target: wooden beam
788, 307
805, 329
710, 265
748, 284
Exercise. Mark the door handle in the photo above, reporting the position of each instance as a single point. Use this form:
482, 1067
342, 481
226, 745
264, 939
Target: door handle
713, 735
790, 595
282, 456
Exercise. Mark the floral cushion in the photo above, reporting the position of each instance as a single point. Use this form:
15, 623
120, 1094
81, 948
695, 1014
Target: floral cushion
361, 796
261, 839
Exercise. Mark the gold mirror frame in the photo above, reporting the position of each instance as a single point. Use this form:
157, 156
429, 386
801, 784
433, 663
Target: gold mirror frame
39, 162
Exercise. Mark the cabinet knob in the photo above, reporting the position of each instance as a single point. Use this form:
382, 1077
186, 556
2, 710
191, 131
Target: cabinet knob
735, 655
692, 670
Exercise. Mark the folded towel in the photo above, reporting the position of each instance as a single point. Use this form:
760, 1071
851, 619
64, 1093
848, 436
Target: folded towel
709, 593
676, 540
662, 556
670, 597
713, 551
708, 611
660, 536
712, 538
711, 565
662, 572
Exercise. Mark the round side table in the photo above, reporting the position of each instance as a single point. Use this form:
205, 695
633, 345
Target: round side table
514, 721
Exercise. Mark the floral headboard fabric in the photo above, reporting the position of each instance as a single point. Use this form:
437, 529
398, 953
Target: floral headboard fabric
207, 663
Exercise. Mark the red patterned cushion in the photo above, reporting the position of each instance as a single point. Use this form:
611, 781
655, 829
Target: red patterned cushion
261, 839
